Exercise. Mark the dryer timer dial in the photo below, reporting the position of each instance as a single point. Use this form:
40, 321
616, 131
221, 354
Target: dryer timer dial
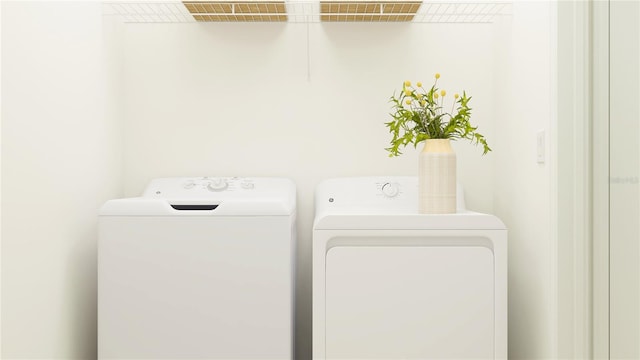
390, 189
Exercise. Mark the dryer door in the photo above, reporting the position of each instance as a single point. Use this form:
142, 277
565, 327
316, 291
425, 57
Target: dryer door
410, 302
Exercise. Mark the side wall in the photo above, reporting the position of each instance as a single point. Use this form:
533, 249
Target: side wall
61, 159
522, 187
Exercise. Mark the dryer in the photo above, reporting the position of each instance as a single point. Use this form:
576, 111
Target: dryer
389, 283
198, 268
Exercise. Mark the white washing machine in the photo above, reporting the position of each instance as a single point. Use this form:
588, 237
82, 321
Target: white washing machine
198, 268
389, 283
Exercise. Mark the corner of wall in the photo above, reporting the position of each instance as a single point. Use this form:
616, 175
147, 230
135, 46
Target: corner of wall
1, 179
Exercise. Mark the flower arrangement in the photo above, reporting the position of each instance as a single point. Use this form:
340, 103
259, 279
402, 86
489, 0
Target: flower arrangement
419, 115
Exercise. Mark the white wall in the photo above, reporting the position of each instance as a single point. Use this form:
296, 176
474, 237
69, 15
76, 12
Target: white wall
238, 99
522, 187
60, 161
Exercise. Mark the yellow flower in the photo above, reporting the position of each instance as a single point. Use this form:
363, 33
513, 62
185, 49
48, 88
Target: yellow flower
443, 93
423, 103
408, 102
435, 95
419, 84
407, 83
407, 92
456, 96
437, 75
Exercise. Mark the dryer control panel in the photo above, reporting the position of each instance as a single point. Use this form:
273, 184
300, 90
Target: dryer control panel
383, 194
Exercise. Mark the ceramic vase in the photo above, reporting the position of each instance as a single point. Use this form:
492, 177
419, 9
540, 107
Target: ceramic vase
437, 178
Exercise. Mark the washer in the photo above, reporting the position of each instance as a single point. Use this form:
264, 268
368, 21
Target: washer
198, 268
389, 283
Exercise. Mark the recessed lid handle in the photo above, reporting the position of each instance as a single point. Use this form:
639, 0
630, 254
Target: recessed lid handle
194, 206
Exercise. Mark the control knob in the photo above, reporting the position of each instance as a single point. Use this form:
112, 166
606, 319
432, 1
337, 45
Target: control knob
247, 185
390, 189
190, 184
217, 185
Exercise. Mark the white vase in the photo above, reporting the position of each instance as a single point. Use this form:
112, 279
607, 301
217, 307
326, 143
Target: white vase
437, 178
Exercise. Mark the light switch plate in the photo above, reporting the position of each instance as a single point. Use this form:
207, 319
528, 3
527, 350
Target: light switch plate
540, 140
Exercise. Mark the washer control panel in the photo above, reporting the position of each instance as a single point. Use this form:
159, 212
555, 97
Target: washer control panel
207, 187
218, 184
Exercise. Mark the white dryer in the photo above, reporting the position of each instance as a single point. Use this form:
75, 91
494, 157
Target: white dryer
389, 283
198, 268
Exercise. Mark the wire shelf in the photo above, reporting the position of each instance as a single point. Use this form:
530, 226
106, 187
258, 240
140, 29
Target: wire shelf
175, 11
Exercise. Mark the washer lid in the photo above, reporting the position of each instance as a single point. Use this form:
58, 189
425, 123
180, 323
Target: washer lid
208, 196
